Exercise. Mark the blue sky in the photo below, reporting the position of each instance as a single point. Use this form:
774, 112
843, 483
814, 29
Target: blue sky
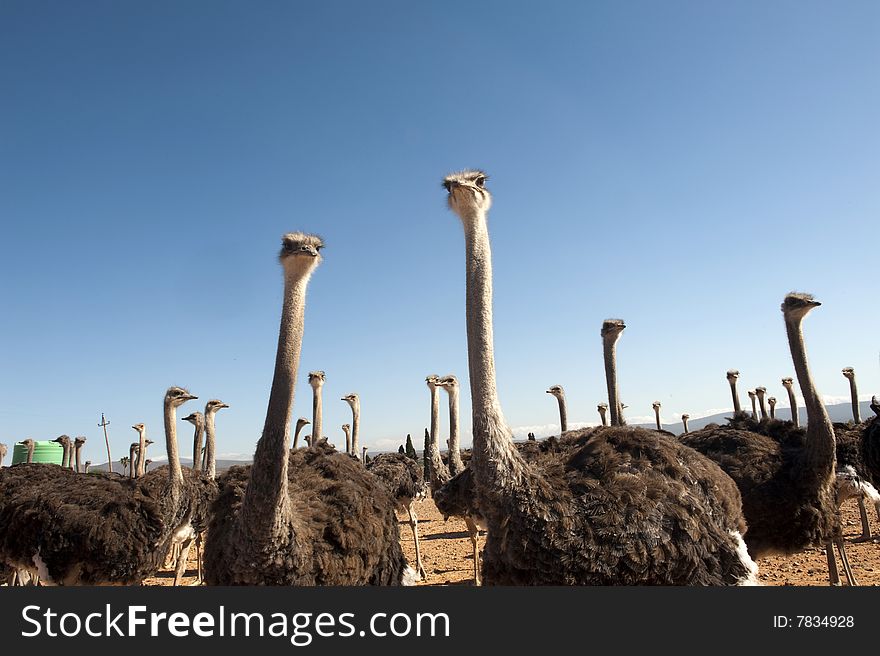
681, 165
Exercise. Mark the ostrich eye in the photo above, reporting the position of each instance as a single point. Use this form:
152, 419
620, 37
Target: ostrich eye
480, 181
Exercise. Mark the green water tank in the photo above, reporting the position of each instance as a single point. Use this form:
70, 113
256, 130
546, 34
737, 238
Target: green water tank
45, 451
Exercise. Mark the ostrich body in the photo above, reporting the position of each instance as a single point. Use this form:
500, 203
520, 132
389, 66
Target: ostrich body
788, 384
603, 413
563, 518
300, 424
316, 380
405, 482
305, 517
559, 393
732, 376
354, 402
787, 482
115, 530
850, 375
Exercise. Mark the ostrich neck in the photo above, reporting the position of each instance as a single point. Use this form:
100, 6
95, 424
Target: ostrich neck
820, 444
456, 465
175, 473
439, 471
355, 428
792, 401
142, 459
610, 353
657, 417
563, 416
855, 400
132, 459
299, 428
763, 407
65, 455
30, 453
317, 418
210, 447
77, 455
736, 406
498, 466
347, 441
265, 511
197, 446
604, 416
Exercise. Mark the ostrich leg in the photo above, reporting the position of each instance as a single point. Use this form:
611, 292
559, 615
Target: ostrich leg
414, 527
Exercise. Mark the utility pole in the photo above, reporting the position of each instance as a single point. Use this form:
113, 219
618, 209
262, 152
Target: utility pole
104, 423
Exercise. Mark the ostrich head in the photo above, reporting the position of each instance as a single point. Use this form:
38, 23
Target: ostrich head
556, 391
656, 405
848, 372
300, 252
29, 443
611, 329
346, 428
602, 407
352, 399
316, 379
732, 375
875, 405
63, 440
787, 383
302, 421
772, 401
177, 396
752, 394
196, 418
448, 382
140, 428
796, 305
214, 405
760, 392
433, 381
468, 196
685, 417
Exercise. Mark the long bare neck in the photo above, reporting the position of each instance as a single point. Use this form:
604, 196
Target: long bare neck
439, 471
854, 394
266, 505
347, 440
685, 423
497, 464
30, 453
754, 407
736, 406
175, 473
794, 407
197, 446
210, 446
563, 416
355, 428
299, 428
317, 412
456, 465
65, 456
78, 449
820, 446
142, 454
603, 414
657, 417
762, 406
610, 355
131, 460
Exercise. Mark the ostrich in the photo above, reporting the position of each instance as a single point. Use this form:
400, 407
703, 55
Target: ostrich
559, 393
771, 401
603, 413
305, 517
86, 465
77, 448
2, 453
316, 380
684, 422
850, 375
760, 392
403, 478
624, 505
656, 406
346, 428
130, 461
449, 383
786, 482
212, 407
197, 419
611, 330
438, 473
364, 454
858, 449
354, 402
732, 376
115, 530
300, 424
142, 444
30, 445
64, 441
753, 396
788, 384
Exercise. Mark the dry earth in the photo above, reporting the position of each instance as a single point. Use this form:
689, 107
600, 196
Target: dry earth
446, 554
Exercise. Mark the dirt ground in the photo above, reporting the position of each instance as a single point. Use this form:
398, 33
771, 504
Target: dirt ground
446, 554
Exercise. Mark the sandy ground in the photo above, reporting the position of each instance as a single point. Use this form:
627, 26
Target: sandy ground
446, 554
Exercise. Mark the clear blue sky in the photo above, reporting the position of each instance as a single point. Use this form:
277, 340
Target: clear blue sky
681, 165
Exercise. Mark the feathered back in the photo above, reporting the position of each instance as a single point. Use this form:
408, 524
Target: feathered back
400, 474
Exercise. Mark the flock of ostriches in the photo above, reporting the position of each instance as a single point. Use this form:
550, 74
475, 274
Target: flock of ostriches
607, 505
